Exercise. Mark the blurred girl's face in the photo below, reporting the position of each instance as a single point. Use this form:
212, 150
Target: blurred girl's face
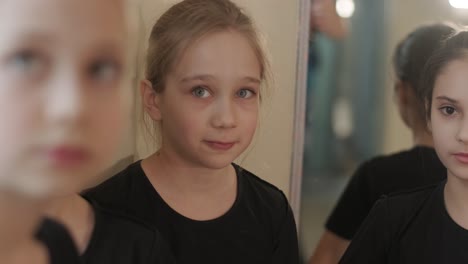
449, 117
61, 72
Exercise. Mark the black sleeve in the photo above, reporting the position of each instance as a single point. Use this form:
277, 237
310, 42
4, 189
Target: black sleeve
353, 206
372, 241
59, 243
286, 245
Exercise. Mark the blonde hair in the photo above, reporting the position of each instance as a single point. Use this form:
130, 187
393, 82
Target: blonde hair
188, 21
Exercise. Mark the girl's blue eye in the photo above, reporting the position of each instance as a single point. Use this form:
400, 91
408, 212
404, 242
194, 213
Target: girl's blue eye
104, 70
245, 93
27, 63
448, 110
200, 92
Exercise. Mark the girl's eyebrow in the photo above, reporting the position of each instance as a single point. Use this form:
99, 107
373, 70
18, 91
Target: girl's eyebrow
205, 77
201, 77
252, 79
445, 98
34, 37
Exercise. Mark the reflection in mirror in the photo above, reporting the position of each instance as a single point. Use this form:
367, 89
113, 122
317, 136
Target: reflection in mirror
351, 115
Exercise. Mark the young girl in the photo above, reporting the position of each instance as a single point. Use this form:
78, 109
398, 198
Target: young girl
405, 170
205, 70
63, 107
429, 225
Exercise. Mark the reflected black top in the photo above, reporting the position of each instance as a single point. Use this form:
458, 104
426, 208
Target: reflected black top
379, 176
413, 227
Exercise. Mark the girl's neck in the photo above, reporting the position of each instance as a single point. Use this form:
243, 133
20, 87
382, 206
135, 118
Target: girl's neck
185, 177
197, 193
77, 215
456, 199
422, 138
31, 251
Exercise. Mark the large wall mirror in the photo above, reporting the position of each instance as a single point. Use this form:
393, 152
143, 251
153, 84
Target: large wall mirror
345, 109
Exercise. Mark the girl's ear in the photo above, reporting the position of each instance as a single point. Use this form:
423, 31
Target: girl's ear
403, 101
150, 100
402, 94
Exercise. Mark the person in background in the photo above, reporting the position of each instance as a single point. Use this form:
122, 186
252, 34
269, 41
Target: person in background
325, 19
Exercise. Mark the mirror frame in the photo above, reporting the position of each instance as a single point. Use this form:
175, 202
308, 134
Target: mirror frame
299, 108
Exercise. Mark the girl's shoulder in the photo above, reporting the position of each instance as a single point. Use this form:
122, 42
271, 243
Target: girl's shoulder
120, 238
266, 201
250, 181
120, 191
58, 241
403, 209
259, 192
415, 196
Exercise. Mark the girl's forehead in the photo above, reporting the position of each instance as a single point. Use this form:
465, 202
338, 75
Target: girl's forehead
454, 69
453, 79
218, 51
59, 17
